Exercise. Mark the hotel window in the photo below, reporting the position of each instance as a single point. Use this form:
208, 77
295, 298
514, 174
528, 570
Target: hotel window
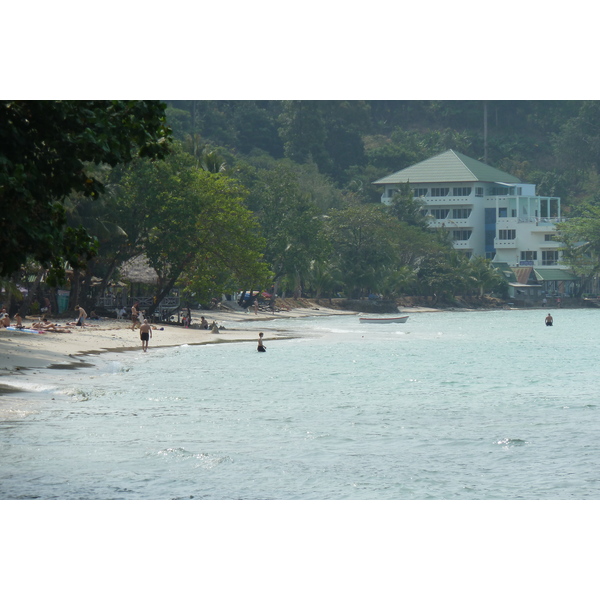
502, 191
418, 192
479, 191
461, 213
550, 237
502, 212
461, 234
549, 257
507, 234
391, 192
461, 191
439, 191
529, 255
439, 213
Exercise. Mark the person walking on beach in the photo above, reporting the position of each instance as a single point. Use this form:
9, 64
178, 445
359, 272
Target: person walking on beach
82, 316
134, 315
549, 320
261, 347
145, 334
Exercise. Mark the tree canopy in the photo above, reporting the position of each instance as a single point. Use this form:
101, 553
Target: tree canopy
281, 189
45, 153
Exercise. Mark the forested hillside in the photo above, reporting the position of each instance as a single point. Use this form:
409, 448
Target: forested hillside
220, 196
352, 143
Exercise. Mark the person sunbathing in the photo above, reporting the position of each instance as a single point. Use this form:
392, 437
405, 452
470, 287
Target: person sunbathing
45, 325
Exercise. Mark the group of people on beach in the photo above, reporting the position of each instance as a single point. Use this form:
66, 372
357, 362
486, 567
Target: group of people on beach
5, 318
145, 328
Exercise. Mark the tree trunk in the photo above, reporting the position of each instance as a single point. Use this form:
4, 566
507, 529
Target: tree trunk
163, 293
32, 293
74, 298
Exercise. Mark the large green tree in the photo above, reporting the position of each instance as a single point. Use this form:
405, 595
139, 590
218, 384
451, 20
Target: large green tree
192, 225
580, 237
46, 148
289, 220
364, 241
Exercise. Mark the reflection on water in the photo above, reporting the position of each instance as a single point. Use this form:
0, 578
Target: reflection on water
465, 405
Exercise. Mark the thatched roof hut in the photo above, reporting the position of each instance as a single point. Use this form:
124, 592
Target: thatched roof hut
138, 270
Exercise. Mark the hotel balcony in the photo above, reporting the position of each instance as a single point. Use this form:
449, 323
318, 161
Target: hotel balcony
462, 244
505, 243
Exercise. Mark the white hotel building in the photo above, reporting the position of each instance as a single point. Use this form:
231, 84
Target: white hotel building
489, 213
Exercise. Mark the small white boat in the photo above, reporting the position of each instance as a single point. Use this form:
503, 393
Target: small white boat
400, 319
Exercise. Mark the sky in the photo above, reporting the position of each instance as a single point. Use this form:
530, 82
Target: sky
312, 50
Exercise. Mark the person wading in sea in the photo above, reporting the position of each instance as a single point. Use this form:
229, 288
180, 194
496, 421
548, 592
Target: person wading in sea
145, 334
549, 320
261, 348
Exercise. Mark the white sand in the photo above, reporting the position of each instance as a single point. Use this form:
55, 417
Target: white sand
21, 351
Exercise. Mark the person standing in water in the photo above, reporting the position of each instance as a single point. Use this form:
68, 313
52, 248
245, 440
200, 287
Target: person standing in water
145, 334
549, 320
261, 347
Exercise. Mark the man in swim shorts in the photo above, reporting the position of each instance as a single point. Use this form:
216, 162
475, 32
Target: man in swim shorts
145, 334
261, 347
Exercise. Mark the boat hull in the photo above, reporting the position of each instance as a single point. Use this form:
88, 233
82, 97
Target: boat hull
402, 319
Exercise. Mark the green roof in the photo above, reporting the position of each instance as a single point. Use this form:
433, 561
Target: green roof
449, 167
505, 269
554, 275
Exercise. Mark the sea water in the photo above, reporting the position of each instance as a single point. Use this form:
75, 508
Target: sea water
449, 405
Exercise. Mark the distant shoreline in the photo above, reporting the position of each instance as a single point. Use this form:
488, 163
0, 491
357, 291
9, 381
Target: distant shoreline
22, 353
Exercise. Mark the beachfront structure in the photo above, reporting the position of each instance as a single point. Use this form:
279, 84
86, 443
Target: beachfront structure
487, 212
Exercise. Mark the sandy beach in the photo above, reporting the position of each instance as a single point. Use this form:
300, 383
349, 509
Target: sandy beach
21, 351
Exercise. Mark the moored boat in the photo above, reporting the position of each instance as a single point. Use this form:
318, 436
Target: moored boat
399, 319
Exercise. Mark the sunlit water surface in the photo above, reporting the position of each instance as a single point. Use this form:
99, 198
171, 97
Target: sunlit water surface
450, 405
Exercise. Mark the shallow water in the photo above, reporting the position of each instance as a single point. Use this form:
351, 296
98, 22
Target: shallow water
450, 405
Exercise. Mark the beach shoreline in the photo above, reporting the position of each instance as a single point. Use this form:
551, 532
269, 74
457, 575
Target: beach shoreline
22, 352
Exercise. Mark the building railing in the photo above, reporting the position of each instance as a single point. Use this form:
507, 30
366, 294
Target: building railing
505, 243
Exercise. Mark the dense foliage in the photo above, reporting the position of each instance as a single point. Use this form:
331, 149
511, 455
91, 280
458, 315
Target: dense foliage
44, 157
260, 193
346, 145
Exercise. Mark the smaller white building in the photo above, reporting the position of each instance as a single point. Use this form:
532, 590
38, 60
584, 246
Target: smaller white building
487, 212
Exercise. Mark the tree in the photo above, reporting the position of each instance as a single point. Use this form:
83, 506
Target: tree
44, 156
580, 237
364, 244
442, 274
579, 141
480, 274
192, 225
289, 221
407, 208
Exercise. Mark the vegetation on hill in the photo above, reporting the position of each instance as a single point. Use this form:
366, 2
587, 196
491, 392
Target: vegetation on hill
229, 195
